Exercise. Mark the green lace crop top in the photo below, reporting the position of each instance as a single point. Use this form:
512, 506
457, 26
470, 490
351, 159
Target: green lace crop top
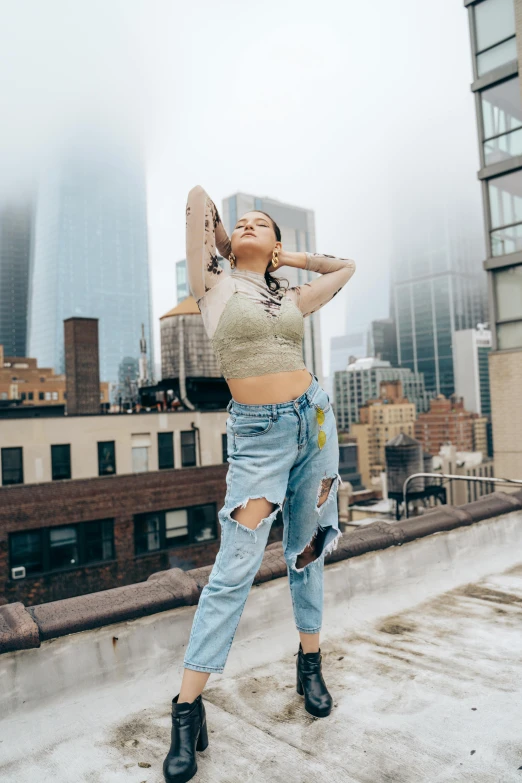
253, 330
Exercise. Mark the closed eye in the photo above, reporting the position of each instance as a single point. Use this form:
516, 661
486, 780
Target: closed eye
259, 224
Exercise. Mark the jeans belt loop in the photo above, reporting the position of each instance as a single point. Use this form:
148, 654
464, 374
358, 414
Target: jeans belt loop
274, 411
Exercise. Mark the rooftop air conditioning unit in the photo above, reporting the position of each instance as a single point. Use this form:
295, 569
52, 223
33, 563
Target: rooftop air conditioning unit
18, 572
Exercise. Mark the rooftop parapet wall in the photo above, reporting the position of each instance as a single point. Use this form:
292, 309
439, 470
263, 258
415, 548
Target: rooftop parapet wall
26, 627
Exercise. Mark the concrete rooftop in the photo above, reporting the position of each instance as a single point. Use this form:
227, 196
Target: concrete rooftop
421, 651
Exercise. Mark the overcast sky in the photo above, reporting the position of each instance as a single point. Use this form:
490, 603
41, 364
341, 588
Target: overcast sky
359, 111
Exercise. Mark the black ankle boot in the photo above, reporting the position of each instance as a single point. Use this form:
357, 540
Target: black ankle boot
188, 734
310, 682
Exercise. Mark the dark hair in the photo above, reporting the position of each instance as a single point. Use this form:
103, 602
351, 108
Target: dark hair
273, 283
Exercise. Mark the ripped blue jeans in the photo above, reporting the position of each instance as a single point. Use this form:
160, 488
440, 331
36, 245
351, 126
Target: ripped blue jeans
273, 453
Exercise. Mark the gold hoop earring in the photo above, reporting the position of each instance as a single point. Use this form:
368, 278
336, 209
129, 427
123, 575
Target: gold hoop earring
275, 259
232, 260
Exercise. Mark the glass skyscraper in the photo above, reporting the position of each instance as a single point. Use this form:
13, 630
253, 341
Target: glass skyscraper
15, 247
438, 287
297, 235
90, 256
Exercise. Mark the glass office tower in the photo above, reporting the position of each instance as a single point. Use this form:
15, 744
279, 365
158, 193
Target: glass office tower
298, 234
438, 287
90, 254
496, 48
15, 247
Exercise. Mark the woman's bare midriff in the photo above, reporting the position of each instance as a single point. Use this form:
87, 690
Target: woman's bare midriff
270, 388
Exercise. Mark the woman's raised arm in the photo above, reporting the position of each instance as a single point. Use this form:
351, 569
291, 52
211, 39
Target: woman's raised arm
204, 231
335, 273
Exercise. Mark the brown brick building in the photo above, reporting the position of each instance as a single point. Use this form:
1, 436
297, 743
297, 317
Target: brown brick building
22, 379
448, 422
78, 537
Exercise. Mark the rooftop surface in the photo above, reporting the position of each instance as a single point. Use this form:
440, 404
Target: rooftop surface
421, 651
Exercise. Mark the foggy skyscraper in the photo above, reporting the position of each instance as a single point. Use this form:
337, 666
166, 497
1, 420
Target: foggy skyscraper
15, 248
91, 252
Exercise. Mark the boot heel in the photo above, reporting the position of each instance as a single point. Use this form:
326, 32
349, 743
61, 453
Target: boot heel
203, 737
299, 687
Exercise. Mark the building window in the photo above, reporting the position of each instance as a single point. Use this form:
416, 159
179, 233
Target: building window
41, 396
224, 447
47, 395
63, 547
106, 458
26, 550
188, 448
165, 450
502, 121
505, 200
54, 395
12, 466
58, 548
24, 396
61, 462
495, 34
175, 527
99, 540
508, 299
147, 528
140, 459
31, 395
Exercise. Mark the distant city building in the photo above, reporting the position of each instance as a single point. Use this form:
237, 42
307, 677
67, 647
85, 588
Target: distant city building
496, 37
361, 382
82, 366
90, 254
22, 380
345, 348
382, 339
15, 252
348, 461
438, 285
464, 463
471, 348
381, 420
298, 234
447, 421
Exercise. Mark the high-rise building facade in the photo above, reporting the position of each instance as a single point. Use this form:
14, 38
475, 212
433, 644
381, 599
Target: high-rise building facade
496, 47
297, 235
382, 340
90, 255
361, 382
15, 251
438, 286
471, 348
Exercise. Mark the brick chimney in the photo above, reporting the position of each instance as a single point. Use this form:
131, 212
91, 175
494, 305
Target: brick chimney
82, 366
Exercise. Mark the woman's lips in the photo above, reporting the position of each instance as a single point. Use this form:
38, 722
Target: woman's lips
249, 235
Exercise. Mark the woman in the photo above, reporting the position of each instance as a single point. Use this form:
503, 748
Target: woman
282, 451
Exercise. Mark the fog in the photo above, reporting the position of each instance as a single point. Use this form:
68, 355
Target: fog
359, 111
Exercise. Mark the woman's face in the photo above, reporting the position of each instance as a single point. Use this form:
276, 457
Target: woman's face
254, 235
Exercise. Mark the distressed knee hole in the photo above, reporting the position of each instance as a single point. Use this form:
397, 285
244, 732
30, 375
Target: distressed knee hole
309, 553
253, 511
324, 489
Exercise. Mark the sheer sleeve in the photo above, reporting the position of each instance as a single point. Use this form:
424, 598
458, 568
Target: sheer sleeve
204, 231
335, 273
